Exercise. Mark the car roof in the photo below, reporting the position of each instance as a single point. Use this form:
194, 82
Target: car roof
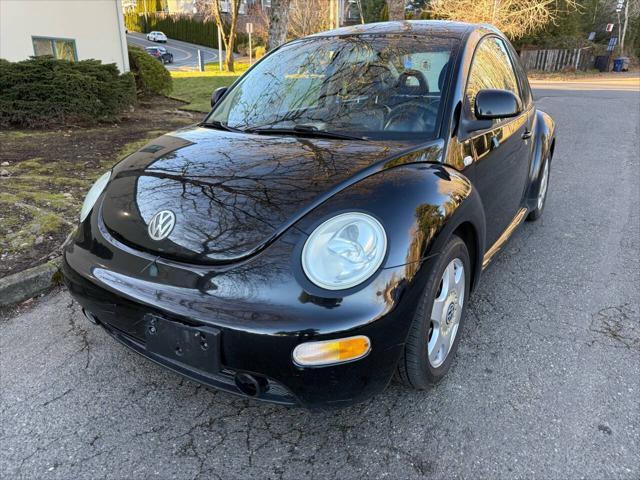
411, 27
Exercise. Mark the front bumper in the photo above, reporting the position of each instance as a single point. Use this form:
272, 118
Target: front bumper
262, 315
241, 351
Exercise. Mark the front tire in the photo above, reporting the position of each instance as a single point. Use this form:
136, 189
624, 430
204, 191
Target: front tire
436, 328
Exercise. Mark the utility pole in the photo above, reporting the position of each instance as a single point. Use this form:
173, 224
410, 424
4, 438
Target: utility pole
618, 10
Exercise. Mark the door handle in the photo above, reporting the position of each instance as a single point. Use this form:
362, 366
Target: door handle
526, 134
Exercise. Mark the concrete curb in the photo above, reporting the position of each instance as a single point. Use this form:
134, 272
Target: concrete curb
29, 283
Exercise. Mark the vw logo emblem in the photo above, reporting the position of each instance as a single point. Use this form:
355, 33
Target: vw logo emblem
450, 312
161, 224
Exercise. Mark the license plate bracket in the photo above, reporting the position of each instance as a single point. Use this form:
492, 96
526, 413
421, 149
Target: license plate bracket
175, 342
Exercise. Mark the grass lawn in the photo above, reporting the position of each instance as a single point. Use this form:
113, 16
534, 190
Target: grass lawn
196, 88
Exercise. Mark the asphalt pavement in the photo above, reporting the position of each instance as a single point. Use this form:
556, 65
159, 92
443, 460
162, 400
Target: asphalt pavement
546, 383
185, 55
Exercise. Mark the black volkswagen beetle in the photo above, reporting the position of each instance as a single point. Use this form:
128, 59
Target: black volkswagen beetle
321, 230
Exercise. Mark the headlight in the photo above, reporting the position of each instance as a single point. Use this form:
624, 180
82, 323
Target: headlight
344, 251
92, 196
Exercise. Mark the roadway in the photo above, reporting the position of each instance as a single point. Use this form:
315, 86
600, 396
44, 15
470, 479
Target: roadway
185, 55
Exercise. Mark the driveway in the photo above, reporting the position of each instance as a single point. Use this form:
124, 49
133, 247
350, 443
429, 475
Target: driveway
546, 383
185, 55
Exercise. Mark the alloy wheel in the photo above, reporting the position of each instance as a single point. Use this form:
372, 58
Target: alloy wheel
446, 312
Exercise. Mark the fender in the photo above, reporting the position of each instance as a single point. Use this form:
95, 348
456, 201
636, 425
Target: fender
544, 143
420, 205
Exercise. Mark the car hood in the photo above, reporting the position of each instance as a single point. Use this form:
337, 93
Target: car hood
231, 193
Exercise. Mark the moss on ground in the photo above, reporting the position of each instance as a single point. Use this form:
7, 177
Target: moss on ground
49, 173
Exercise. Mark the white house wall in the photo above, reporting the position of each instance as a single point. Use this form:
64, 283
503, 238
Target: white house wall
96, 26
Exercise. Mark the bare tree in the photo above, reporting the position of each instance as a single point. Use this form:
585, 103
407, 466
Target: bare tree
278, 23
307, 17
396, 9
227, 29
514, 17
631, 11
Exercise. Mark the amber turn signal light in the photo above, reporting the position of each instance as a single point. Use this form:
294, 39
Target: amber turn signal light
329, 352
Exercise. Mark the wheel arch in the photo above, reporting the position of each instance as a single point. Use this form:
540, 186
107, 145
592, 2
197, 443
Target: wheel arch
470, 236
543, 149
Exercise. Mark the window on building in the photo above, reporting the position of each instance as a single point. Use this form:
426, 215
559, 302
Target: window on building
62, 48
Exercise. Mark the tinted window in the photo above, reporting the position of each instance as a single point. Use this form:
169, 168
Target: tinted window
369, 86
491, 68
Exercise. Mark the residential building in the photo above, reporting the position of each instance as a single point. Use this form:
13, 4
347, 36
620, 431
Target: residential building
67, 29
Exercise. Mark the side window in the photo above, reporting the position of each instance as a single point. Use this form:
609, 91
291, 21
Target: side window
491, 68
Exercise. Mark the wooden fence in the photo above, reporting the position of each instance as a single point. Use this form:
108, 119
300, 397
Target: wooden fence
557, 60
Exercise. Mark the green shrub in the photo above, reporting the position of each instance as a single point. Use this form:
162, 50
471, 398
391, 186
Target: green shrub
42, 92
151, 76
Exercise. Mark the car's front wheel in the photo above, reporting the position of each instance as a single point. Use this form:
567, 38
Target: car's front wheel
434, 334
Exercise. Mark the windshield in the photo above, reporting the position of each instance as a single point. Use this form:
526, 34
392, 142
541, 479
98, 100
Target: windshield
379, 87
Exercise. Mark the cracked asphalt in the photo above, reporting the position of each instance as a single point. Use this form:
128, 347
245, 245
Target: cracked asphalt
546, 383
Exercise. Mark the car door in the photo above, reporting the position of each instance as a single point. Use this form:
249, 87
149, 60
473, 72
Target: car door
500, 150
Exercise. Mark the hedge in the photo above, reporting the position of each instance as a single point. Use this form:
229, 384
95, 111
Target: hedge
151, 76
180, 27
176, 27
43, 92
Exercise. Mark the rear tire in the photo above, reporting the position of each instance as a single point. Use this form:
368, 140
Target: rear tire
543, 190
438, 320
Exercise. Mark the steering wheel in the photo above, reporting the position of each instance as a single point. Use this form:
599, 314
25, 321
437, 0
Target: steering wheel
412, 117
421, 89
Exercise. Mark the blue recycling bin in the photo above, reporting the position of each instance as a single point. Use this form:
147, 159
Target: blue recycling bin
617, 64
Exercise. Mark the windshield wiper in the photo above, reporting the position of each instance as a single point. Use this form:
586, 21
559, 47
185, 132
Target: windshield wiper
308, 130
217, 124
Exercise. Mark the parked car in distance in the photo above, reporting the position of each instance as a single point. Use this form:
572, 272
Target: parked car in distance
156, 36
160, 53
322, 229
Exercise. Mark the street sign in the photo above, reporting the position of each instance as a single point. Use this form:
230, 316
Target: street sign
619, 6
609, 27
249, 27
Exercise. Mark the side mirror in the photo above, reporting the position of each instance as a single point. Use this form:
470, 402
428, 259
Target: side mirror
492, 104
217, 95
